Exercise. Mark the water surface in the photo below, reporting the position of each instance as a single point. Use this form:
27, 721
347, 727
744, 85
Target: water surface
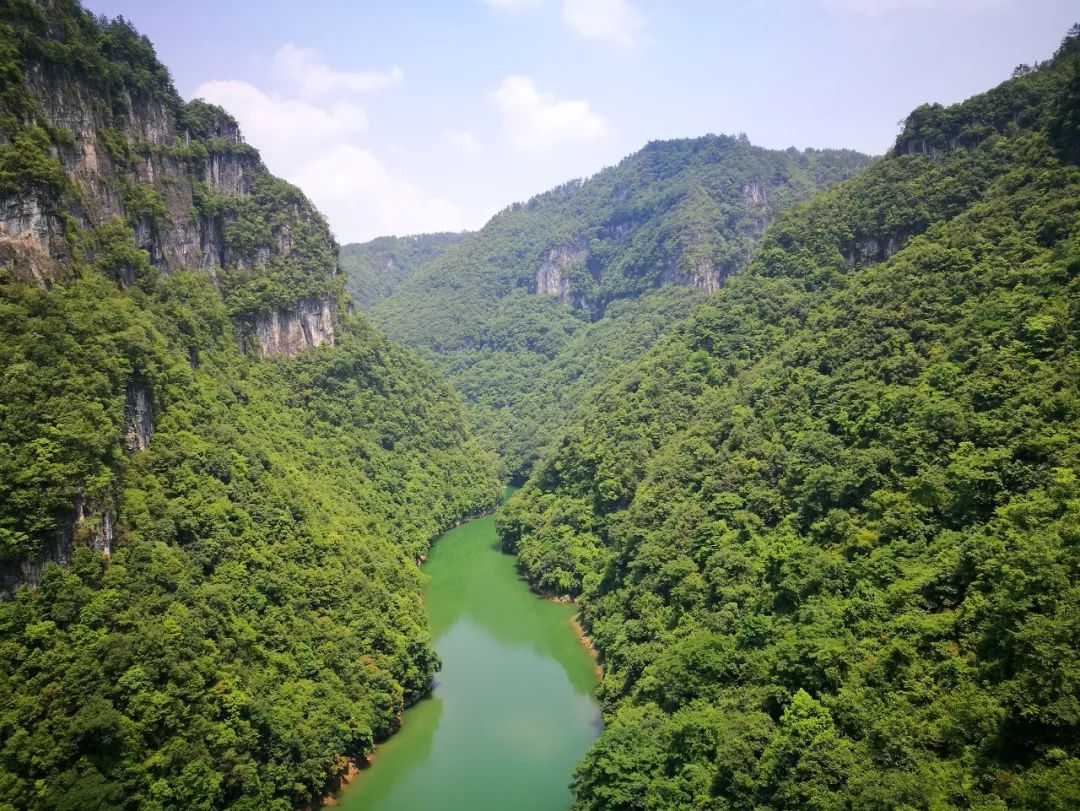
512, 710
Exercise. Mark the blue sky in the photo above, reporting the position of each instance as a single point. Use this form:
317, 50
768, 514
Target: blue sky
416, 115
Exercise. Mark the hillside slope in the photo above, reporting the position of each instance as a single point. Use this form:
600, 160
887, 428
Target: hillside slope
504, 313
374, 270
825, 534
213, 484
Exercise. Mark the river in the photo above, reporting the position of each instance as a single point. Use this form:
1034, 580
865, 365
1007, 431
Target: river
512, 710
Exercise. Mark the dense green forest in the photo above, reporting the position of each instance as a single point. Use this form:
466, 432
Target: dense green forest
260, 610
537, 359
800, 433
374, 270
683, 212
239, 611
824, 534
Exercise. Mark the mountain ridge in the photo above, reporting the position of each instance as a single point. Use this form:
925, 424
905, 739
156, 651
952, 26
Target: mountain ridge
820, 532
105, 160
506, 311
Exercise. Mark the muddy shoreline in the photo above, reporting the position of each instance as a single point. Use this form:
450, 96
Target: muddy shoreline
587, 643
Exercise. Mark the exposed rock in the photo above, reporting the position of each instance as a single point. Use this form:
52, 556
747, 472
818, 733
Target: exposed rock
93, 526
177, 242
31, 242
33, 238
615, 230
138, 419
228, 174
551, 279
870, 249
706, 277
289, 332
28, 570
127, 155
755, 200
920, 146
753, 196
87, 525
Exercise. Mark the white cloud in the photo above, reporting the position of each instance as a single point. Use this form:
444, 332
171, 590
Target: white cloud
513, 5
276, 126
611, 20
461, 140
310, 139
535, 120
362, 199
314, 78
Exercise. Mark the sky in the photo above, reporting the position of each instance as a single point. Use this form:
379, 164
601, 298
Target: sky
413, 116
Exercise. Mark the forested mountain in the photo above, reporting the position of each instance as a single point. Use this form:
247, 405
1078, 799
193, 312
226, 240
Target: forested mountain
824, 534
213, 484
376, 269
801, 433
506, 313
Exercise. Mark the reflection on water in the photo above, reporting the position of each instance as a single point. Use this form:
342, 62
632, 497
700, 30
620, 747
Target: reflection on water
513, 709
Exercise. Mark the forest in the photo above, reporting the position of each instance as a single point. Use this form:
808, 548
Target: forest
616, 259
239, 613
798, 432
375, 270
824, 534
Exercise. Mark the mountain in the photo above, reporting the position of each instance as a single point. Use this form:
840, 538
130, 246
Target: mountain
506, 312
375, 270
824, 532
214, 482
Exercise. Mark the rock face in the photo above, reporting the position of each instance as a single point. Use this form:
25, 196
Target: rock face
90, 525
94, 165
119, 175
752, 195
551, 276
706, 277
708, 240
180, 176
31, 242
865, 251
289, 332
138, 419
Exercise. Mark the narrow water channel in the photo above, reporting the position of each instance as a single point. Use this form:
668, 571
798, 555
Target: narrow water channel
512, 710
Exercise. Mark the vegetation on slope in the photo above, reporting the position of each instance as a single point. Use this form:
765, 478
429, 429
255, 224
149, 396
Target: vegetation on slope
375, 270
684, 212
258, 621
533, 364
261, 612
825, 535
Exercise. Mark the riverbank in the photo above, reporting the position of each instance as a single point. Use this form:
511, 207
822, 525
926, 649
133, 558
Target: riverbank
343, 780
587, 643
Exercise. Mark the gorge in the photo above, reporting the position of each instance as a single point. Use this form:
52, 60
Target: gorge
797, 434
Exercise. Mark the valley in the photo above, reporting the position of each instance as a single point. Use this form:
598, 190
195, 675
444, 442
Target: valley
723, 478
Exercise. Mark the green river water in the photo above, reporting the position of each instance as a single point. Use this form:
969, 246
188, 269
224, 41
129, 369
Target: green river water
512, 710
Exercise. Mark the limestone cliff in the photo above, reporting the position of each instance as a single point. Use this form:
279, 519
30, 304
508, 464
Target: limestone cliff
553, 277
287, 332
138, 419
87, 524
685, 213
105, 169
118, 145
